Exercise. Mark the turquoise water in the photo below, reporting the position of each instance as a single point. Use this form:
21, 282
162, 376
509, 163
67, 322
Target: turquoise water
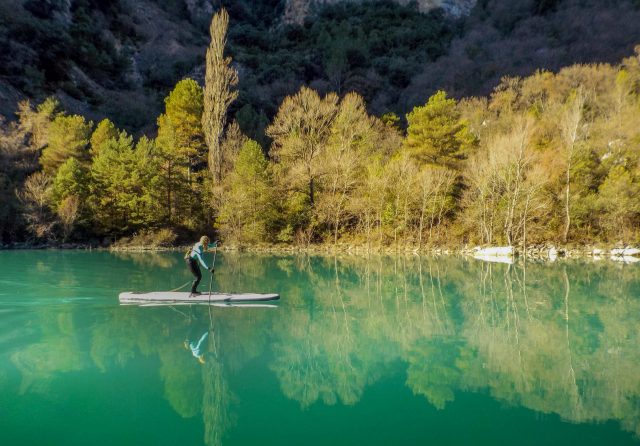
379, 351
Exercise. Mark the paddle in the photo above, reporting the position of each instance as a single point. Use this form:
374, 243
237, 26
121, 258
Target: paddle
213, 265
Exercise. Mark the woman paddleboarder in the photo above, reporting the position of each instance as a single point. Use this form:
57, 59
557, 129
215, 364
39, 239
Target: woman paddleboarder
194, 256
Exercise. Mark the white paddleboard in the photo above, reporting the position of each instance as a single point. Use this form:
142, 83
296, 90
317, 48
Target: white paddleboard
185, 297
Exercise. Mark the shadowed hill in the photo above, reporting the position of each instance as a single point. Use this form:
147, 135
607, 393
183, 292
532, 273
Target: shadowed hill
119, 59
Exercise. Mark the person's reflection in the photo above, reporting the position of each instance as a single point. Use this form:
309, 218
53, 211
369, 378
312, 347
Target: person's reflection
197, 335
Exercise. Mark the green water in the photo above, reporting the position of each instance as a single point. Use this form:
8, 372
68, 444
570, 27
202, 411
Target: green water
384, 351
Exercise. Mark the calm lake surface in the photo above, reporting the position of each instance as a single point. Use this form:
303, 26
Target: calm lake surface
379, 351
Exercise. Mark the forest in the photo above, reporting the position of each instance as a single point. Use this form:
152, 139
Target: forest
552, 157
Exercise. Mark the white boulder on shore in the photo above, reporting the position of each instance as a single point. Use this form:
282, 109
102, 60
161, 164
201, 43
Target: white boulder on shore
494, 251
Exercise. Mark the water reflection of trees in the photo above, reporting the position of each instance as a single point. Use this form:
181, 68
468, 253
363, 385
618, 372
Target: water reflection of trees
554, 338
559, 338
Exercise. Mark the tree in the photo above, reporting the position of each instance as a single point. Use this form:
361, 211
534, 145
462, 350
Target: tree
124, 185
349, 146
68, 137
18, 159
248, 213
618, 197
181, 144
220, 78
69, 194
435, 186
35, 197
105, 130
573, 131
35, 124
436, 134
504, 180
300, 132
184, 108
68, 212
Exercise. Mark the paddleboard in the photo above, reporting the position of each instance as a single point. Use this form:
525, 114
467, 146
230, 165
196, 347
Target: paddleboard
213, 304
185, 297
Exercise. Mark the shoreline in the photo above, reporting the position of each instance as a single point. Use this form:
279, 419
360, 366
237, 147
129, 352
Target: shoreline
544, 252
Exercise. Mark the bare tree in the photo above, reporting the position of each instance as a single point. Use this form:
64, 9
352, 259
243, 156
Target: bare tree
300, 132
68, 212
571, 127
35, 198
220, 78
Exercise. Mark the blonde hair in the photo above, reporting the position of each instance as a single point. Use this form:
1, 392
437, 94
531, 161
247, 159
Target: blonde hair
204, 240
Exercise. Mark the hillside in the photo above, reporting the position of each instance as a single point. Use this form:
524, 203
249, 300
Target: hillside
119, 59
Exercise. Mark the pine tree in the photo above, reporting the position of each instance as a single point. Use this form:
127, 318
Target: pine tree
68, 138
248, 213
181, 144
105, 130
123, 183
436, 132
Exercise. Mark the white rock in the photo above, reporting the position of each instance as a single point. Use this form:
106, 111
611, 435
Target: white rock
496, 251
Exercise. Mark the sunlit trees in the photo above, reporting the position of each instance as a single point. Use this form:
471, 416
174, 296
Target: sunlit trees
35, 123
125, 185
300, 132
504, 187
551, 157
350, 144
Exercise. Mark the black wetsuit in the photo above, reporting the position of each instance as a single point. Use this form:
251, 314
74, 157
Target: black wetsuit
197, 274
194, 257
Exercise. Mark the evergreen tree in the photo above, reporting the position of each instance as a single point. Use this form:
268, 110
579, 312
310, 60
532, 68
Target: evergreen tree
249, 213
123, 186
68, 137
181, 145
105, 131
436, 133
71, 180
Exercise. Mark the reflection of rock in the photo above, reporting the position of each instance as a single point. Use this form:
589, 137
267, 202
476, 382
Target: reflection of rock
625, 252
625, 259
494, 259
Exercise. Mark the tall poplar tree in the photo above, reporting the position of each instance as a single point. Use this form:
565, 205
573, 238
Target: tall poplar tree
220, 78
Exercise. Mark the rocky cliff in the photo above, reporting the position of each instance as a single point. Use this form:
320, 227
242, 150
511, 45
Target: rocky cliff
297, 10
